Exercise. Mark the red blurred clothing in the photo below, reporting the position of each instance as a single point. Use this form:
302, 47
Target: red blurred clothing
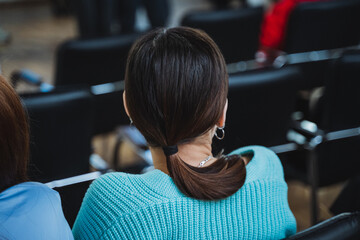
273, 29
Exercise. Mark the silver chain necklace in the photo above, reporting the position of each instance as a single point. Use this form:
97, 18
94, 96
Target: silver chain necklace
202, 163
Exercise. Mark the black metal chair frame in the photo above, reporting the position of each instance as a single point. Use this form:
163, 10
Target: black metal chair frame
313, 140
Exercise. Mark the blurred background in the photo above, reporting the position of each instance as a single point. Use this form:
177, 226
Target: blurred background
36, 28
300, 58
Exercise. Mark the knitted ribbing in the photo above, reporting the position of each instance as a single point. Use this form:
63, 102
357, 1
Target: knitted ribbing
150, 206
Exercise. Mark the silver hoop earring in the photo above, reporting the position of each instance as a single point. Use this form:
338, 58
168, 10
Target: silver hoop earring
131, 121
222, 133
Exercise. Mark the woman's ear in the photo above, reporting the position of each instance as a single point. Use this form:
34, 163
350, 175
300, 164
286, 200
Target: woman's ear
221, 122
125, 105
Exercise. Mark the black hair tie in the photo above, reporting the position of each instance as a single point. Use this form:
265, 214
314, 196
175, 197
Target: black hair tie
170, 150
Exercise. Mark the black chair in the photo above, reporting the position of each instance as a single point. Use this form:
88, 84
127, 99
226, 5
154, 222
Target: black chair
341, 99
260, 107
333, 149
236, 32
338, 110
345, 226
323, 25
318, 26
60, 128
95, 62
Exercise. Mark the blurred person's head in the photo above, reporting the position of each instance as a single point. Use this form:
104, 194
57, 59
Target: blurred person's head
176, 87
14, 137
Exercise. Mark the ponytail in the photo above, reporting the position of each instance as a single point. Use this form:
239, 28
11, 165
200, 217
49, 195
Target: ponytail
219, 180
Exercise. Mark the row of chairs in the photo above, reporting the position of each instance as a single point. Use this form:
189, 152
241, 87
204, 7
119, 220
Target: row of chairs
312, 26
264, 98
98, 61
260, 107
109, 112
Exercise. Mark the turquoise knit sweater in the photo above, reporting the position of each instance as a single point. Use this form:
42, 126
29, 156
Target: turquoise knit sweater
150, 206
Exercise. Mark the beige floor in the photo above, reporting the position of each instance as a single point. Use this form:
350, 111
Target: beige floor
36, 35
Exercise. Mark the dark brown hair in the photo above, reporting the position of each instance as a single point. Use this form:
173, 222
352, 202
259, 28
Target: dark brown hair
176, 87
14, 137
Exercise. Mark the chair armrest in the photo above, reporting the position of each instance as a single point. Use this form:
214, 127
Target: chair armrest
32, 78
74, 180
306, 134
306, 128
344, 226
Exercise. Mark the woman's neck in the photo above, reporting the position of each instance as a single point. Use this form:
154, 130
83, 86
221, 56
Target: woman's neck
191, 153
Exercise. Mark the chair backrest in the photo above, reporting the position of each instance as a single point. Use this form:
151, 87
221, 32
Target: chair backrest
60, 128
345, 226
323, 25
236, 32
342, 93
93, 62
340, 110
260, 107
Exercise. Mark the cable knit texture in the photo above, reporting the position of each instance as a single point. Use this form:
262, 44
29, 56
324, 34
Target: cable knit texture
150, 206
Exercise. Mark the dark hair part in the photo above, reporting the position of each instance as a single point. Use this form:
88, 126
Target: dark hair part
14, 137
176, 87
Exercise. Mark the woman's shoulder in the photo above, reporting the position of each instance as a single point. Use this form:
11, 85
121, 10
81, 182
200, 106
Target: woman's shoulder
28, 194
110, 185
116, 184
264, 163
114, 196
126, 193
34, 202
